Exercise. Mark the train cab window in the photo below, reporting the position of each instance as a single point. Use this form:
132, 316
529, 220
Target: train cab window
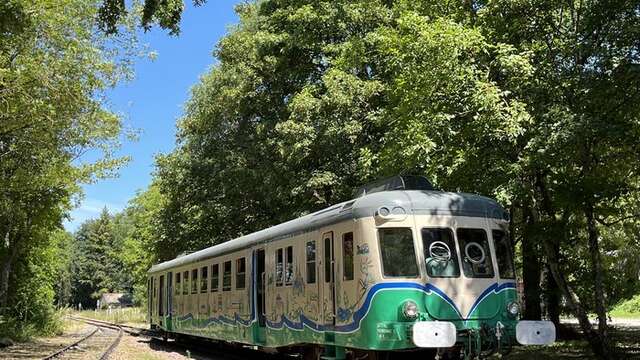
226, 276
240, 273
185, 287
347, 256
215, 277
441, 257
204, 279
503, 254
475, 253
279, 267
288, 274
177, 289
194, 281
311, 262
398, 252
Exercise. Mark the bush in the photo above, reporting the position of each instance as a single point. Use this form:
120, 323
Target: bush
627, 307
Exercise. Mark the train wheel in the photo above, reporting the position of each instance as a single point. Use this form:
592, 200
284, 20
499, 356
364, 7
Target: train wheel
311, 352
370, 355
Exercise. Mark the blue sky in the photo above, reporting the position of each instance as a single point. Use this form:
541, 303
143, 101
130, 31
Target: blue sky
154, 100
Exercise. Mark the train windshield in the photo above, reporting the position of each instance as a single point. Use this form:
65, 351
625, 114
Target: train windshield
398, 252
475, 252
503, 254
441, 257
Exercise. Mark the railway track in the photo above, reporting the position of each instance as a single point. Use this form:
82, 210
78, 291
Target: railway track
99, 343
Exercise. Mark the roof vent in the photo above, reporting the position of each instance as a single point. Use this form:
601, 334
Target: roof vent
184, 253
399, 182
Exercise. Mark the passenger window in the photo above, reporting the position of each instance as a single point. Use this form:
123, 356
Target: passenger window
398, 252
194, 281
226, 276
504, 254
279, 268
185, 287
288, 274
475, 252
311, 262
215, 277
347, 255
178, 284
240, 273
441, 257
204, 278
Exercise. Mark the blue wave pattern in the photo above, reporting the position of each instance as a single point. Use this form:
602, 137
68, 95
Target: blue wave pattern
360, 313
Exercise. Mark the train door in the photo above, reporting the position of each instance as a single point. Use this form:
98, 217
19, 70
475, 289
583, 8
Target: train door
149, 298
169, 323
161, 301
259, 291
328, 281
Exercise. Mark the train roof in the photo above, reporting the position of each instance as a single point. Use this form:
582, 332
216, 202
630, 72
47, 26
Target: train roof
416, 202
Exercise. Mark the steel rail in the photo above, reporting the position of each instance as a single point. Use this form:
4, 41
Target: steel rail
66, 348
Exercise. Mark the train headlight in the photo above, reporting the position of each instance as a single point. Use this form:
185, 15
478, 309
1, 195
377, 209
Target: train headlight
410, 310
513, 309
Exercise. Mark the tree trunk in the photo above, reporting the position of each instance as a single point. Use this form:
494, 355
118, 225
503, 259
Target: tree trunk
599, 344
596, 263
5, 272
553, 298
530, 269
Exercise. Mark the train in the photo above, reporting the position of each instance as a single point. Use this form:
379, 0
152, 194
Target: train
400, 268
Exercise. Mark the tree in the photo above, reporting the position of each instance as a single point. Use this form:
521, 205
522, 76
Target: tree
100, 266
166, 13
534, 103
54, 66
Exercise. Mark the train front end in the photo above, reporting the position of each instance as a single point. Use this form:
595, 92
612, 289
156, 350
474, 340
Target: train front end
459, 297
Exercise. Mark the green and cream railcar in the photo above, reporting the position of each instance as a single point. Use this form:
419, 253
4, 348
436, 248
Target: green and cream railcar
388, 271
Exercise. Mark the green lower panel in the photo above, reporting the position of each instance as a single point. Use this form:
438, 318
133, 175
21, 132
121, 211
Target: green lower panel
378, 324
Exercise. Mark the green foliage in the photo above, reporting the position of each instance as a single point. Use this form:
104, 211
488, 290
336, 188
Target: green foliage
167, 14
534, 103
626, 308
141, 238
54, 69
99, 267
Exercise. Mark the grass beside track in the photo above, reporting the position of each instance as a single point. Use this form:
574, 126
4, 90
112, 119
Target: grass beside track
130, 316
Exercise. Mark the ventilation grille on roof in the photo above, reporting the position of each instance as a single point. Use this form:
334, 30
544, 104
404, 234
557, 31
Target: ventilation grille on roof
399, 182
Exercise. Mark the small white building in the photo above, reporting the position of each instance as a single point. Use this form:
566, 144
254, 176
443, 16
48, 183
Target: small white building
115, 300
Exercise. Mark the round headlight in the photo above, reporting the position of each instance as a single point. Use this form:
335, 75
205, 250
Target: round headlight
410, 310
513, 308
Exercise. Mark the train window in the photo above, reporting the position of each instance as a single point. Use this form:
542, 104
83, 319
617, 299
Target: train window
194, 281
397, 250
288, 274
503, 254
177, 289
240, 273
347, 256
226, 276
279, 267
476, 256
311, 262
215, 277
441, 257
204, 278
328, 260
185, 286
